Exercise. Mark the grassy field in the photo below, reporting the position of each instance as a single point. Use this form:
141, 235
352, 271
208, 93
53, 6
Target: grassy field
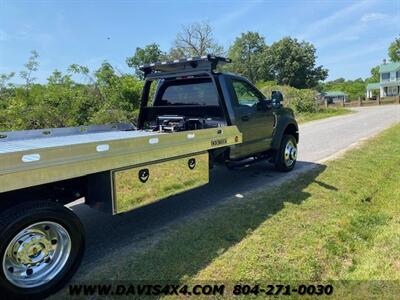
340, 221
322, 114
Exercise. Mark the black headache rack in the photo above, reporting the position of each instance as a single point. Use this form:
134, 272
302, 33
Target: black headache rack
206, 64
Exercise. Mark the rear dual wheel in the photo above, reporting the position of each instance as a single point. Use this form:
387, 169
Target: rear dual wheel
41, 247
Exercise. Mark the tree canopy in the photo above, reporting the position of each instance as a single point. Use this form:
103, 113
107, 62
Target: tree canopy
288, 61
195, 39
249, 57
354, 88
107, 97
150, 53
294, 63
375, 76
79, 96
394, 50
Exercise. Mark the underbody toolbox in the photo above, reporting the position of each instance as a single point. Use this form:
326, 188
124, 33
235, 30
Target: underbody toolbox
141, 185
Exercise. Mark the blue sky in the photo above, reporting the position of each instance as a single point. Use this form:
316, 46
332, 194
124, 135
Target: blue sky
350, 36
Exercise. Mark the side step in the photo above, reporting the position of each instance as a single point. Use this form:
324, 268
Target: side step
231, 165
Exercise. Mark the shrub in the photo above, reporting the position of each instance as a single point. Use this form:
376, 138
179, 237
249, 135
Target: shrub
300, 100
62, 102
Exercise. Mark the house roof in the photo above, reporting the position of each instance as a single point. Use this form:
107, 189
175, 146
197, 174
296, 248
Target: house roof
333, 94
373, 86
389, 67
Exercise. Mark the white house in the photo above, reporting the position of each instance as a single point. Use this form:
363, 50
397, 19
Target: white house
389, 84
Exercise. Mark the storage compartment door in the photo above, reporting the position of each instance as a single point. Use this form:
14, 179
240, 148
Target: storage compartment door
139, 186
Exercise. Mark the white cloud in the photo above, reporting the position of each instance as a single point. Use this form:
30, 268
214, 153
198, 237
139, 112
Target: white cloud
369, 17
349, 34
349, 56
28, 33
354, 31
231, 16
319, 26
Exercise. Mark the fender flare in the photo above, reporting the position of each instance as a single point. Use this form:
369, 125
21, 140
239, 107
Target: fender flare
284, 124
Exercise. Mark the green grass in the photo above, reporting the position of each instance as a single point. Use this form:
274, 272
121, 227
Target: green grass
340, 221
322, 114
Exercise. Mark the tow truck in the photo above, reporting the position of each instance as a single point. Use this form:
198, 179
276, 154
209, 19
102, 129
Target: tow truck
191, 118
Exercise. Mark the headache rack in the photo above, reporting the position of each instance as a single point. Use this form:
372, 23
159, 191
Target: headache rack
206, 63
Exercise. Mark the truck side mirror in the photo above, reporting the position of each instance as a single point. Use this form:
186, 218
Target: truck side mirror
277, 98
264, 105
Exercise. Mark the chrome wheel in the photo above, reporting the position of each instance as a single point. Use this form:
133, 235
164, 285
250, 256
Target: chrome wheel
290, 153
36, 254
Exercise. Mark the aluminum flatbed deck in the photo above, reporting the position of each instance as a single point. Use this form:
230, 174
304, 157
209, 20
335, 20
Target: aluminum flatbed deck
62, 141
38, 157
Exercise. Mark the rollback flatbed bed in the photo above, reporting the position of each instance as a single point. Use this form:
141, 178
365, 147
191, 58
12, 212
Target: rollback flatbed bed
114, 169
39, 157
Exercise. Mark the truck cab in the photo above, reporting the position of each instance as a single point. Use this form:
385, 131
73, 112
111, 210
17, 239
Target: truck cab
190, 94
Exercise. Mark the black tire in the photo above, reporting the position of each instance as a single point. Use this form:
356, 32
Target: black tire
281, 162
14, 220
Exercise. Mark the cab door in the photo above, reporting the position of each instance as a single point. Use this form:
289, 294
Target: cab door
255, 124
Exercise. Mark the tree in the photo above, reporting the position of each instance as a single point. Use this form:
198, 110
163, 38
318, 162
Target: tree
120, 94
293, 63
149, 54
375, 76
354, 88
105, 75
195, 40
248, 54
6, 88
4, 79
30, 67
339, 80
81, 70
394, 50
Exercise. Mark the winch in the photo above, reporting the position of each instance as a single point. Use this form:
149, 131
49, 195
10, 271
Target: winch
174, 123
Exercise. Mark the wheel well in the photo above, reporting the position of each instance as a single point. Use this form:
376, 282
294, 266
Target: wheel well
292, 130
63, 192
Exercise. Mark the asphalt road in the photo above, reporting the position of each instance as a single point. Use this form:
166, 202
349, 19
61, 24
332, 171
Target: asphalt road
318, 141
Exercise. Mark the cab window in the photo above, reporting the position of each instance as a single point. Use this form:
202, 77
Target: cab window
200, 92
246, 94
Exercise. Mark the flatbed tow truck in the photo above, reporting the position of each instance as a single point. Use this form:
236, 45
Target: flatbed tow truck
196, 118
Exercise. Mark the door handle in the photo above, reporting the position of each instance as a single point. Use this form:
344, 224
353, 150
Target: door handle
245, 118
